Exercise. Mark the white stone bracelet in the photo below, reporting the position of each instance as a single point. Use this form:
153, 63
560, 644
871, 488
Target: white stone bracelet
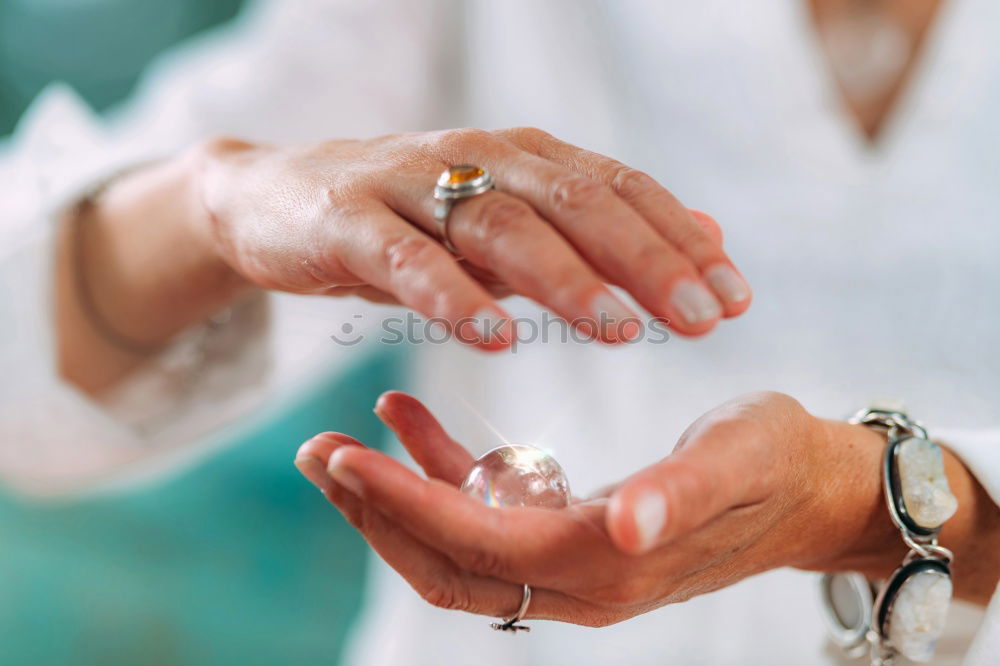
906, 615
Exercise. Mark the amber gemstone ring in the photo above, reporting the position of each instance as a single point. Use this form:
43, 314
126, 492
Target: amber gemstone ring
454, 184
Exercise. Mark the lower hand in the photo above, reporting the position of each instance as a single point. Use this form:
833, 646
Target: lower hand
753, 485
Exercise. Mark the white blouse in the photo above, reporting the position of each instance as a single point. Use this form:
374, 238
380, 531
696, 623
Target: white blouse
873, 267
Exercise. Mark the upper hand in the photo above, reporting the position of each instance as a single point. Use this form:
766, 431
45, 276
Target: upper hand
753, 485
357, 217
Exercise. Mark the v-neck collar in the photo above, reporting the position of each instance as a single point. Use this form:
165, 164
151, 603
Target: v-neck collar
915, 92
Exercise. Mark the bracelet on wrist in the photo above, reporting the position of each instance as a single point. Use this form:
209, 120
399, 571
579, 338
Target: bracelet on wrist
80, 220
906, 613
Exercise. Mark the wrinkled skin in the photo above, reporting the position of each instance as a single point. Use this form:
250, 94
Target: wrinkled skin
755, 484
356, 217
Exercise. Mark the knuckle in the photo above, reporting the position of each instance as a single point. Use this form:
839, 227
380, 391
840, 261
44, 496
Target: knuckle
708, 223
346, 201
699, 484
320, 269
327, 146
690, 479
651, 259
571, 285
409, 252
500, 217
577, 192
359, 519
749, 407
633, 184
736, 427
777, 398
458, 141
444, 302
695, 241
529, 136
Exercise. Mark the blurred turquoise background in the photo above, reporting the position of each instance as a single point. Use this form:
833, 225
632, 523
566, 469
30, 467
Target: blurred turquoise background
100, 47
237, 560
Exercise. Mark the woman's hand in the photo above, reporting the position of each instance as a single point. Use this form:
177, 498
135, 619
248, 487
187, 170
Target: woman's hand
171, 244
357, 217
753, 485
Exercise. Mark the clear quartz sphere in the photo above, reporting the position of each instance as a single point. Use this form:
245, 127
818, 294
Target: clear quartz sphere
518, 475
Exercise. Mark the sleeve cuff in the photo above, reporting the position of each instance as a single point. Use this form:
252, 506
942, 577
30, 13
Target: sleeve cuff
53, 439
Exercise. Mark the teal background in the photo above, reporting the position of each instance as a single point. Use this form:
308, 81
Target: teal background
99, 47
238, 560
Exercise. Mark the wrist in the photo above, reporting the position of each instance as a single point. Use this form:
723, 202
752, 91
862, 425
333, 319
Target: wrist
855, 530
909, 608
171, 273
207, 173
131, 262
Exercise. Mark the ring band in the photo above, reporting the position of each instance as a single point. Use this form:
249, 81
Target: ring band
462, 181
511, 624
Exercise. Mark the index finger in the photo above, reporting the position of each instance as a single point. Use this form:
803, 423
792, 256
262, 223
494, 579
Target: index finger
555, 549
426, 440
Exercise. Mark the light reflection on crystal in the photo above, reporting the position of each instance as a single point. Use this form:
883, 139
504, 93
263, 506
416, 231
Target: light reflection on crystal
518, 475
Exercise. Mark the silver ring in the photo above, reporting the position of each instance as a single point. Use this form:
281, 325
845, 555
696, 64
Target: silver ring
511, 624
461, 181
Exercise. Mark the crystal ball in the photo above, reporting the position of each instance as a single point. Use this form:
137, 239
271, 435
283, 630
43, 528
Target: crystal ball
518, 475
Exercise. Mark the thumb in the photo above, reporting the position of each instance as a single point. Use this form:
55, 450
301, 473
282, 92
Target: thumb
683, 492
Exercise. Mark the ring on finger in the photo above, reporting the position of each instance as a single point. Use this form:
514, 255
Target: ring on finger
511, 624
455, 183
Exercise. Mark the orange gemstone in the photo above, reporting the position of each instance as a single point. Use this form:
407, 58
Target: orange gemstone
458, 175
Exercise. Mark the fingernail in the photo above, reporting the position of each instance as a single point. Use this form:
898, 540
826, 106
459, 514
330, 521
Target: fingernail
649, 513
342, 475
695, 302
380, 411
727, 283
383, 417
613, 318
312, 468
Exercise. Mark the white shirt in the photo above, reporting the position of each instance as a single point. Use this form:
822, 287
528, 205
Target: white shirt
874, 268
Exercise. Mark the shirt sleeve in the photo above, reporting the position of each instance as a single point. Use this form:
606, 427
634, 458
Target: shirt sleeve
54, 439
286, 71
980, 451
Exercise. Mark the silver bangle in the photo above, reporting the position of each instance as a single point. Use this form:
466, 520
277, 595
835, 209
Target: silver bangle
906, 614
